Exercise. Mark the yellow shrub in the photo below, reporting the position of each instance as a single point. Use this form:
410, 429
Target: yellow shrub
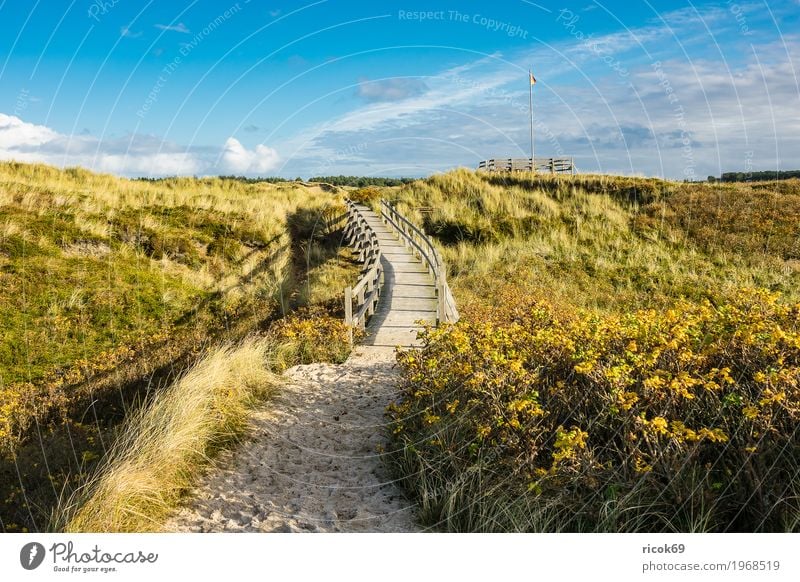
311, 335
703, 399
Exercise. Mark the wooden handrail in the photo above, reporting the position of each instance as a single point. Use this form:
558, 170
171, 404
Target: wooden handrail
365, 293
428, 256
412, 235
361, 300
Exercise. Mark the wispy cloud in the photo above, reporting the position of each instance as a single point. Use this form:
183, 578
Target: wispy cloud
390, 89
180, 27
128, 33
725, 107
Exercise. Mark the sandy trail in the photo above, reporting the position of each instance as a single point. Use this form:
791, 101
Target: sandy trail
312, 462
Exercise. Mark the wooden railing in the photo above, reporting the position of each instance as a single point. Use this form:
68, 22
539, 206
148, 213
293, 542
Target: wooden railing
551, 165
412, 236
361, 299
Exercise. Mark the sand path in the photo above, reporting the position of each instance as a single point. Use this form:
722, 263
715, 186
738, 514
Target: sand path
312, 463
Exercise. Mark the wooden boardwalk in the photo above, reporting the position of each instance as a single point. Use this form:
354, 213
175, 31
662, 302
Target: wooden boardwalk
318, 464
408, 294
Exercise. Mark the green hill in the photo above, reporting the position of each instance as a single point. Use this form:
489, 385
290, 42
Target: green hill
111, 288
628, 357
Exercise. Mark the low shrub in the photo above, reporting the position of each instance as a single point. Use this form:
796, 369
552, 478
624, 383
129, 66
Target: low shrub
311, 335
369, 195
686, 419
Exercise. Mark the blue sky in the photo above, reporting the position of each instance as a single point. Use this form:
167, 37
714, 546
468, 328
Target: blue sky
661, 88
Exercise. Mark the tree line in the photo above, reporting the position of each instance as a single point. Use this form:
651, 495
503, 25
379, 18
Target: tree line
357, 181
755, 176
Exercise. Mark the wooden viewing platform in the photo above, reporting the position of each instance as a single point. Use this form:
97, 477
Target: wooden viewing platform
546, 165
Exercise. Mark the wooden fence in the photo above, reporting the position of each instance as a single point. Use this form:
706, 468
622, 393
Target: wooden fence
551, 165
360, 300
421, 245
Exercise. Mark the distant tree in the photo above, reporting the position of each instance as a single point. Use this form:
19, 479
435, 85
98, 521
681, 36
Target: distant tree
361, 181
246, 180
357, 181
759, 176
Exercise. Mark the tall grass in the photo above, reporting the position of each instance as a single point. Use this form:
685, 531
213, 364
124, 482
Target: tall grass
609, 242
162, 447
110, 287
168, 442
141, 256
602, 429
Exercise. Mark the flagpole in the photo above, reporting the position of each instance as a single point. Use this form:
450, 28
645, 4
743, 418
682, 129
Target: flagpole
530, 111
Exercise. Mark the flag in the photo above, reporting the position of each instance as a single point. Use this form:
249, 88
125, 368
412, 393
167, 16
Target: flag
533, 79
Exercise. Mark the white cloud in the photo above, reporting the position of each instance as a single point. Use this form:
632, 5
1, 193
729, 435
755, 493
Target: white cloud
239, 160
132, 155
14, 133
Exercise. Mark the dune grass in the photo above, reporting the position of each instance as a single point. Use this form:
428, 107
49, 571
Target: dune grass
163, 446
110, 287
166, 445
627, 358
161, 449
132, 258
608, 242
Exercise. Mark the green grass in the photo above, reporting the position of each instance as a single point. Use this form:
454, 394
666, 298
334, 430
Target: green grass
131, 258
162, 447
591, 252
609, 243
109, 288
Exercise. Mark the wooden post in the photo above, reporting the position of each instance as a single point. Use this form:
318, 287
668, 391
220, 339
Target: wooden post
361, 300
348, 312
440, 302
370, 287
